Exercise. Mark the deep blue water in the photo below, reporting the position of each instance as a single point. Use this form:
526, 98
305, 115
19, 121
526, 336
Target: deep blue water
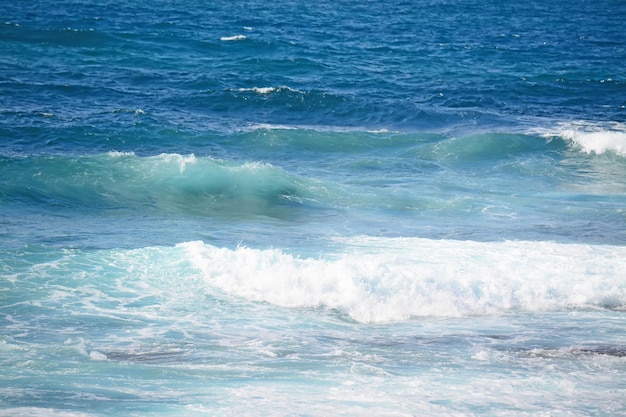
312, 208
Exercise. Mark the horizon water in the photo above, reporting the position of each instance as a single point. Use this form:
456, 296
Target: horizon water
313, 209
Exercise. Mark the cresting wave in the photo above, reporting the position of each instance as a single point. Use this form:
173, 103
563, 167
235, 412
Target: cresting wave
166, 181
374, 280
591, 138
586, 138
268, 90
381, 280
232, 38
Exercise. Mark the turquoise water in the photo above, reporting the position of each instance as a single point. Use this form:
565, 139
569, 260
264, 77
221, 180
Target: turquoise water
312, 209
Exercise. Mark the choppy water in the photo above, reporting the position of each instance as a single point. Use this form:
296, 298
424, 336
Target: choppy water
331, 208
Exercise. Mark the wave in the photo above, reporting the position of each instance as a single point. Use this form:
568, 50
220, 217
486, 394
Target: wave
363, 279
598, 142
248, 100
167, 181
546, 153
424, 145
268, 90
233, 38
380, 280
591, 138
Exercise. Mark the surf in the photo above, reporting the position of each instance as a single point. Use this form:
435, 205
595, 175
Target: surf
170, 182
375, 280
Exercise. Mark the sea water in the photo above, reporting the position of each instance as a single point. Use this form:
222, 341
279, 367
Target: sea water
330, 208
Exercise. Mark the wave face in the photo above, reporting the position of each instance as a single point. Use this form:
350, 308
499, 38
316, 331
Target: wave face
388, 208
163, 182
484, 187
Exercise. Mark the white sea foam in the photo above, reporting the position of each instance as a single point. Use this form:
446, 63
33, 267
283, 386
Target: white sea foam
269, 126
260, 90
592, 137
97, 356
317, 128
181, 160
232, 38
159, 162
119, 154
380, 280
598, 142
268, 90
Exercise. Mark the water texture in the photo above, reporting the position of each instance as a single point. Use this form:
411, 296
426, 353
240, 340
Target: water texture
313, 208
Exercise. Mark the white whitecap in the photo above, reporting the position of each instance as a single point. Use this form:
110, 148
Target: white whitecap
598, 142
181, 160
268, 90
232, 38
97, 356
259, 90
590, 137
381, 280
119, 154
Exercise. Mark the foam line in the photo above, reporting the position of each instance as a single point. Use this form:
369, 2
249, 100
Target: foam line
380, 280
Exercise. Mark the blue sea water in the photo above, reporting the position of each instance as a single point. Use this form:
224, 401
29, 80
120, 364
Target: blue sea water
330, 208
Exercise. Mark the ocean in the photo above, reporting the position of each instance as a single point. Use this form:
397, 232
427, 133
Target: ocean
331, 208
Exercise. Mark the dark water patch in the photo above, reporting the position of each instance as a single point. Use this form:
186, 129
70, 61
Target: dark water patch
573, 352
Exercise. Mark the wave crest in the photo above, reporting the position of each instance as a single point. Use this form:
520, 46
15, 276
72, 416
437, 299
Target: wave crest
165, 182
592, 138
383, 280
